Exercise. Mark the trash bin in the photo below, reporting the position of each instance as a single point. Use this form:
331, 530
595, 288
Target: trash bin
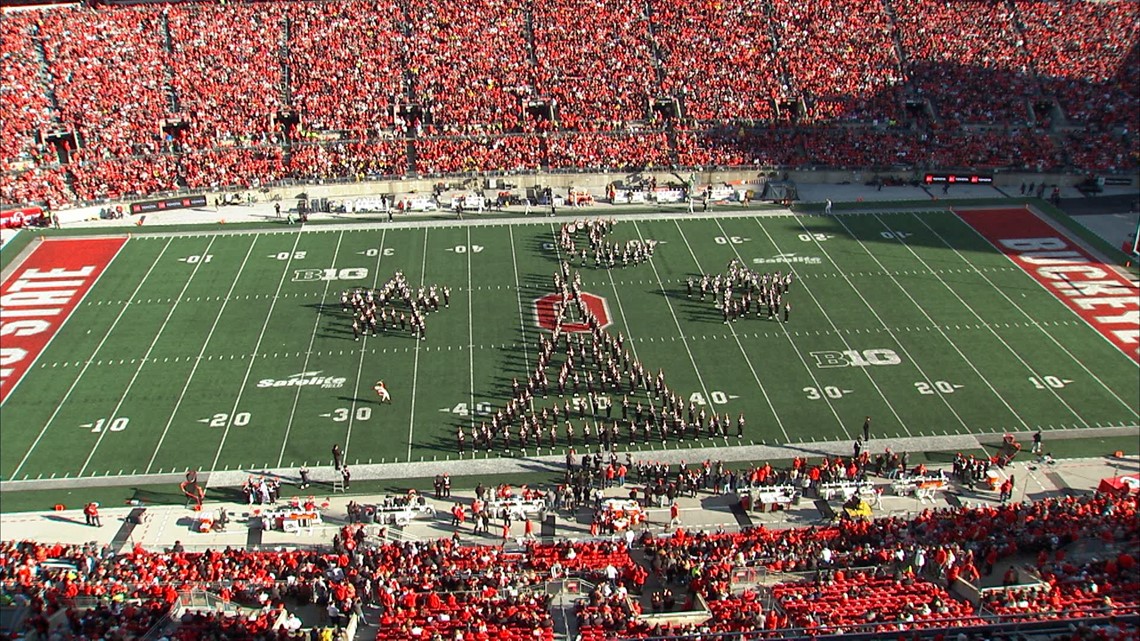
746, 502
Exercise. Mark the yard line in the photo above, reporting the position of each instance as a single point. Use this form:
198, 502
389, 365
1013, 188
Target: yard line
79, 377
470, 332
835, 327
309, 353
146, 356
416, 360
677, 322
747, 360
518, 289
198, 360
1023, 312
363, 351
253, 354
968, 307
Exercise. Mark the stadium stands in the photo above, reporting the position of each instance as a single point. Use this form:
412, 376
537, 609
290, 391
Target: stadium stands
243, 95
885, 576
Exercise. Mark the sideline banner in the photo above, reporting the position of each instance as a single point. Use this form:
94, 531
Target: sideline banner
185, 202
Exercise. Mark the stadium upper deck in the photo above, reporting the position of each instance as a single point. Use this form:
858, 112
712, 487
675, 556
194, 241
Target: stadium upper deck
114, 102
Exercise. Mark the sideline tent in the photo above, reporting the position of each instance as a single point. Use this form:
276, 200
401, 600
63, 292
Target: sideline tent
780, 191
1119, 484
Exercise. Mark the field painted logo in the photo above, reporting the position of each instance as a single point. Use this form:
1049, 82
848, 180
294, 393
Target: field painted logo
303, 379
548, 308
788, 258
332, 273
856, 358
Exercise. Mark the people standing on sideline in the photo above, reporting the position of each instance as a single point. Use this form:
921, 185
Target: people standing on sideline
304, 477
827, 207
1036, 443
277, 209
346, 475
866, 429
337, 456
91, 514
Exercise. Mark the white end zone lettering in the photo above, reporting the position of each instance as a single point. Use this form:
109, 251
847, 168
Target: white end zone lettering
1104, 298
41, 293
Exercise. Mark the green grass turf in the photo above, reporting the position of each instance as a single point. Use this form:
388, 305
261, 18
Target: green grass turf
176, 345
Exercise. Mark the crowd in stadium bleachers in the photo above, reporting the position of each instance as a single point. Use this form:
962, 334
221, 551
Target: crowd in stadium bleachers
92, 96
888, 576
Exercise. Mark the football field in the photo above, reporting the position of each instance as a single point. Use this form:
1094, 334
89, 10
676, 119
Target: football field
230, 350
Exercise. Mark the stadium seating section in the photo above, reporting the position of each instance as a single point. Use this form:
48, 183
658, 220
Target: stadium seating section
887, 577
123, 102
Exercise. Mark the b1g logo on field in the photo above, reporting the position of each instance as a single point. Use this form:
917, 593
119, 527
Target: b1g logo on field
856, 358
548, 308
332, 273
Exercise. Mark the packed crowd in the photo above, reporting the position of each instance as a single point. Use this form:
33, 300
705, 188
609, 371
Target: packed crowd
251, 94
866, 83
1085, 56
888, 575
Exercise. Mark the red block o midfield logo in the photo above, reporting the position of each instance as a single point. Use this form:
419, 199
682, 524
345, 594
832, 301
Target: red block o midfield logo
546, 312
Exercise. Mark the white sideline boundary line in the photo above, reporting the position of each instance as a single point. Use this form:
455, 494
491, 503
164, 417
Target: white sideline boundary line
91, 359
363, 351
416, 361
940, 330
1026, 314
253, 354
198, 360
308, 353
803, 283
146, 357
747, 360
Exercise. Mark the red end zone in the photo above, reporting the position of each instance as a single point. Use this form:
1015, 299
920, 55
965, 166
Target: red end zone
1095, 291
40, 295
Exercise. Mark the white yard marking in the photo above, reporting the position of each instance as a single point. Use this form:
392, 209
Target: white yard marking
79, 377
1031, 321
363, 350
927, 379
416, 360
835, 327
470, 333
254, 353
134, 377
677, 322
308, 354
518, 289
198, 360
964, 304
748, 361
59, 330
